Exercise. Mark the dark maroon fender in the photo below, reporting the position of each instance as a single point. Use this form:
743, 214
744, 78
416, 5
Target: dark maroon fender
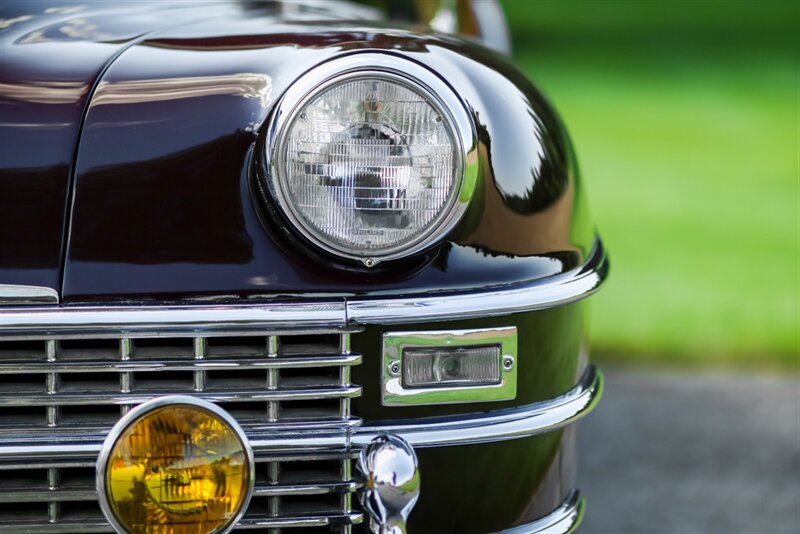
164, 203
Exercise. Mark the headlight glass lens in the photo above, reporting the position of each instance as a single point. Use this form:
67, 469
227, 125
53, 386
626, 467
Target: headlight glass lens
177, 469
370, 166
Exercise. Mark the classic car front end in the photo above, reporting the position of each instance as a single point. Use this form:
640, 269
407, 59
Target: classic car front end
281, 266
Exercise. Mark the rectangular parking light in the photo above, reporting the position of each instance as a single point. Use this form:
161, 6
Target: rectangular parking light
466, 366
449, 366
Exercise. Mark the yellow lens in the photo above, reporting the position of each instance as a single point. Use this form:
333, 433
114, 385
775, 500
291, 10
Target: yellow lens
176, 468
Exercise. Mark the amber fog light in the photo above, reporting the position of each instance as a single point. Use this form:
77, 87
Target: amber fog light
175, 465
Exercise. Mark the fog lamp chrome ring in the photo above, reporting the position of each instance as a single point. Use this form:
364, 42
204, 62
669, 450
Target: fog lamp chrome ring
314, 84
177, 464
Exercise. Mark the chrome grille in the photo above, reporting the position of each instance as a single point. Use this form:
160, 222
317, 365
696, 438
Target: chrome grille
71, 391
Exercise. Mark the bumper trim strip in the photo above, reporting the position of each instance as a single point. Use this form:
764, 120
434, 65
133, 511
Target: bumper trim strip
499, 425
334, 314
563, 520
557, 290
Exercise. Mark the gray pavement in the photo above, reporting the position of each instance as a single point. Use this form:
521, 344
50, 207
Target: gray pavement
685, 453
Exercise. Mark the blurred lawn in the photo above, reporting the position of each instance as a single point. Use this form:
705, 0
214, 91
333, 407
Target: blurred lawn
686, 123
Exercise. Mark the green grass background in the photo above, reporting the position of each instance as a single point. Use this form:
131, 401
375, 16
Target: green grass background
685, 120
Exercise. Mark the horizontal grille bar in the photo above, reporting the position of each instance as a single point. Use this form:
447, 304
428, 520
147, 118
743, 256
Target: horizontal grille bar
88, 493
60, 450
67, 439
308, 488
127, 399
253, 522
128, 366
46, 495
62, 527
188, 321
84, 461
289, 521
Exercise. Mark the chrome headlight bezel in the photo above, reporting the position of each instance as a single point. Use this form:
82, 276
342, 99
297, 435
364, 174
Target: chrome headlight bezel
397, 70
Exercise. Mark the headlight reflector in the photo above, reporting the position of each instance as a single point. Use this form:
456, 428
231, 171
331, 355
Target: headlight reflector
369, 164
177, 465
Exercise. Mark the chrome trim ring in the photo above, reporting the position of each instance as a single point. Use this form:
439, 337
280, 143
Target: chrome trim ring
397, 70
142, 410
563, 520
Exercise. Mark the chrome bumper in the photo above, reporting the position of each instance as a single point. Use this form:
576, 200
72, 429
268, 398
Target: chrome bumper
499, 425
22, 322
524, 421
56, 448
63, 447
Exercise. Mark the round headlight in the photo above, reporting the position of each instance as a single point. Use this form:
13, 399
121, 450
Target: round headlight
369, 162
175, 465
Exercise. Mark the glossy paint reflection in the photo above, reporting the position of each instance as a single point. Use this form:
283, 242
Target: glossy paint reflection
247, 85
51, 55
172, 142
43, 91
496, 491
165, 201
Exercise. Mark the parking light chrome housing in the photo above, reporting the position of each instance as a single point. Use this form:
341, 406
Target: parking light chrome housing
391, 70
494, 371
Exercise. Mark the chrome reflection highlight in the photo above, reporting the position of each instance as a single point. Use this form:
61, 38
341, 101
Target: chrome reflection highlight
49, 92
26, 295
247, 85
7, 23
391, 488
